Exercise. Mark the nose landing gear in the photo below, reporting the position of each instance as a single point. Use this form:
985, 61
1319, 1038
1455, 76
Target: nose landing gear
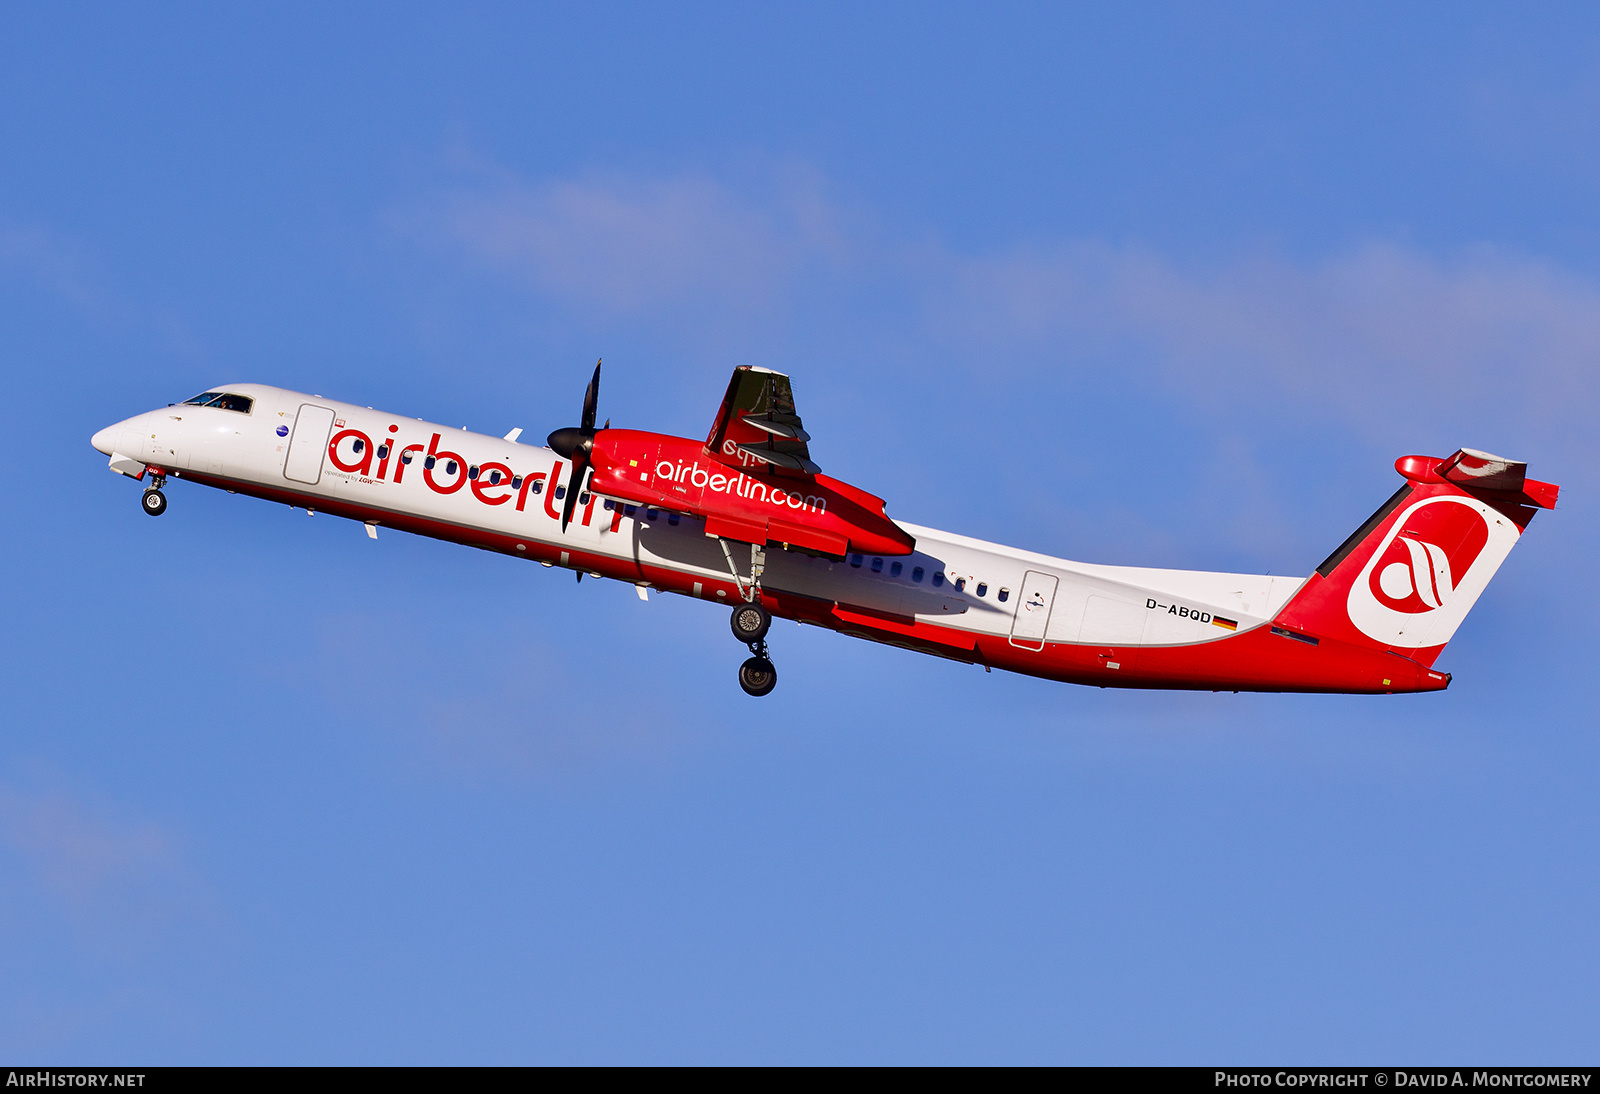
750, 623
154, 501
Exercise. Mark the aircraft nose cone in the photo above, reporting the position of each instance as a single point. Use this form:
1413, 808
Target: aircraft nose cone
104, 439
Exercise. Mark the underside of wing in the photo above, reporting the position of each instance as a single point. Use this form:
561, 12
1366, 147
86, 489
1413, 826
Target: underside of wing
757, 423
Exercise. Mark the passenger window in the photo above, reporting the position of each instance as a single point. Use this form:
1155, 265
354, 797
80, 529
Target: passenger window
983, 590
494, 478
938, 578
894, 569
961, 584
672, 518
450, 467
358, 446
472, 472
1005, 595
538, 486
855, 560
405, 457
629, 510
561, 492
429, 462
916, 574
583, 498
877, 565
516, 481
651, 514
607, 505
383, 452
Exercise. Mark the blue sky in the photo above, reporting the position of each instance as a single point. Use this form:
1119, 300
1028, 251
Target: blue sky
1157, 284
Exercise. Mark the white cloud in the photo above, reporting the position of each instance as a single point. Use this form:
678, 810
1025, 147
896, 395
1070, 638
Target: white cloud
1384, 338
626, 247
1377, 333
118, 882
42, 258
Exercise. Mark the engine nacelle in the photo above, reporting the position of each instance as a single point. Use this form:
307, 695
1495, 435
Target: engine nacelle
747, 500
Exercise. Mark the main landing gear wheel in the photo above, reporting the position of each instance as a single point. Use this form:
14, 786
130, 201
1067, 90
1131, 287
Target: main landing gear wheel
757, 676
155, 502
750, 623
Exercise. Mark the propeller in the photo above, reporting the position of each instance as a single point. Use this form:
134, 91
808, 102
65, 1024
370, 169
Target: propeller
576, 444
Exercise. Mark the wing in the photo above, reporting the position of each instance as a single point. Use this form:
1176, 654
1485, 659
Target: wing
757, 419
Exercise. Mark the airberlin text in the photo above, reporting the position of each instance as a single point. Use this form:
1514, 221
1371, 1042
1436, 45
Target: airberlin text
352, 454
1179, 610
739, 485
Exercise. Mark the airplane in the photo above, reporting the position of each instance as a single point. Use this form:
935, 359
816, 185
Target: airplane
747, 519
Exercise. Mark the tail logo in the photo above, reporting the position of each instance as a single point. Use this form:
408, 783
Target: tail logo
1416, 571
1428, 570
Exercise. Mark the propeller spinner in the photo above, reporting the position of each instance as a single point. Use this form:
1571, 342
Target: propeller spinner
576, 444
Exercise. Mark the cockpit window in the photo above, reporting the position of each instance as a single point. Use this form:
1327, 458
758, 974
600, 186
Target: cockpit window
222, 401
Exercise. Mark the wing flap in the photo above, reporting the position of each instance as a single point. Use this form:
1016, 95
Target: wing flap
732, 527
787, 429
757, 420
787, 454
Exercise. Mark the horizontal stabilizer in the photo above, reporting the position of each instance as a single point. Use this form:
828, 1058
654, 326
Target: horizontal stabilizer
1481, 473
1471, 468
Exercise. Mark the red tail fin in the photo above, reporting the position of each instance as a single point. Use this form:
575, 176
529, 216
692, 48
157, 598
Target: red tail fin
1408, 576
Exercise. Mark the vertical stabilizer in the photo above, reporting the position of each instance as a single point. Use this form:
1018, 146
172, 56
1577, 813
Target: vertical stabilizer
1406, 578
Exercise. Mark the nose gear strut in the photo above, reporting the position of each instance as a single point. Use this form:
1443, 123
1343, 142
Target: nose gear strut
154, 501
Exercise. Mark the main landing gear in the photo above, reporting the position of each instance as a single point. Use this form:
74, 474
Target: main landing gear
750, 623
154, 501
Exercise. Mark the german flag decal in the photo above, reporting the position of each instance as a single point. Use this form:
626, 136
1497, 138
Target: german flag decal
1225, 624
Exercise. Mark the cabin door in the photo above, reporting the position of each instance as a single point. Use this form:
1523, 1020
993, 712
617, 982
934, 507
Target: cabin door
309, 444
1034, 601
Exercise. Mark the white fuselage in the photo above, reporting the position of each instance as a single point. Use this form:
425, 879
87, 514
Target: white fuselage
281, 450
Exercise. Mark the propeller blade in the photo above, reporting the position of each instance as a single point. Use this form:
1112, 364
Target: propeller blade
575, 443
591, 399
580, 468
